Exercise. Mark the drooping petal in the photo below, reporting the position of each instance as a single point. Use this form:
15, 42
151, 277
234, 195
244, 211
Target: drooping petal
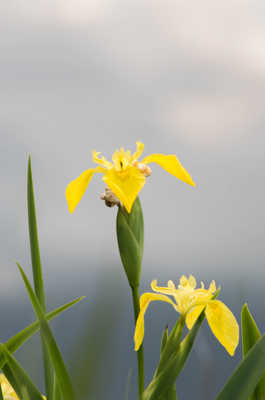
76, 189
145, 300
126, 186
171, 164
223, 325
193, 315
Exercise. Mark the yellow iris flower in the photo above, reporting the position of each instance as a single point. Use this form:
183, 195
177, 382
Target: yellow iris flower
125, 175
8, 391
190, 302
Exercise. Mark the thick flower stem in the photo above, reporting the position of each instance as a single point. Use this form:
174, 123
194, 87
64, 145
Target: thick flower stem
140, 352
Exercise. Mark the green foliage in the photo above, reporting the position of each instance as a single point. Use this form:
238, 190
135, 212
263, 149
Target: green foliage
16, 341
249, 330
17, 376
164, 340
171, 393
54, 352
25, 393
171, 346
172, 366
34, 241
56, 395
246, 383
250, 372
250, 336
173, 355
60, 382
130, 235
37, 274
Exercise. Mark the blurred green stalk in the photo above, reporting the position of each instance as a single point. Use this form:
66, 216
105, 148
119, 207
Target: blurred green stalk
140, 352
130, 235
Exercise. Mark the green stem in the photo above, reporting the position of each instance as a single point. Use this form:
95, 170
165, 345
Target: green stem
140, 352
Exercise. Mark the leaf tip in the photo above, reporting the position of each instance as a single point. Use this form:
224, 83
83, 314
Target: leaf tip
244, 308
29, 162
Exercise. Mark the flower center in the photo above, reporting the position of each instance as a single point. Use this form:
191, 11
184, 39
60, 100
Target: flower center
121, 160
185, 299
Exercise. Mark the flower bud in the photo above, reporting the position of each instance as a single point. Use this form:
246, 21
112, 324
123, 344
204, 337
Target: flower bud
130, 235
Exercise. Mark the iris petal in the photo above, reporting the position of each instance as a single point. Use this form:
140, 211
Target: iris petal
145, 300
171, 164
193, 315
76, 189
138, 153
100, 160
125, 186
223, 325
169, 290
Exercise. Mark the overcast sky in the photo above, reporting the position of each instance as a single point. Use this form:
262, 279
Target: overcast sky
184, 77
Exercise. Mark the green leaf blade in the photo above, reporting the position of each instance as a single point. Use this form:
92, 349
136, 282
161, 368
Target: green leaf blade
56, 389
37, 272
17, 376
34, 241
164, 340
250, 331
54, 352
171, 346
250, 336
16, 341
242, 383
165, 379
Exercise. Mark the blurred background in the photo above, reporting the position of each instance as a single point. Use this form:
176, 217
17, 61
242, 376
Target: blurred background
185, 77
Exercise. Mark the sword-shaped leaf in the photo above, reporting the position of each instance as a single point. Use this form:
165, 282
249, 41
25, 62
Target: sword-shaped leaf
16, 341
54, 352
37, 273
247, 375
17, 376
